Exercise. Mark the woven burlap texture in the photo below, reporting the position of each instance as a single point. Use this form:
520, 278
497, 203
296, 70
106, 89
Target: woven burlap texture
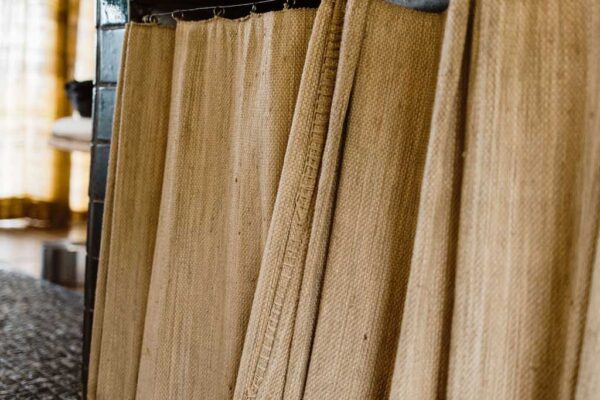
234, 91
131, 211
361, 201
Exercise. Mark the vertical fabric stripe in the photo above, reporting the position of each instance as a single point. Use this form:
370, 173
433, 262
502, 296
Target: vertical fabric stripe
134, 199
235, 85
361, 201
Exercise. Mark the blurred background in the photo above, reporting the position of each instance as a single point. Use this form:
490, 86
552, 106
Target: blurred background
47, 63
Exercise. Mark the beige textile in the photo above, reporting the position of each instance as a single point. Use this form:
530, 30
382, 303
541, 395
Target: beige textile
588, 379
269, 339
422, 354
529, 213
371, 237
137, 162
365, 202
235, 85
377, 69
369, 264
109, 205
588, 382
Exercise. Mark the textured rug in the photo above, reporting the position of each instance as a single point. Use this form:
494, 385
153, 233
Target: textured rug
40, 339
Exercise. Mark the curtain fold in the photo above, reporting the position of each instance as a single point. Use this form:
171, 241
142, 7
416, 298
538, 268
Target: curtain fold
361, 201
420, 369
137, 163
525, 244
371, 237
229, 102
234, 94
271, 332
588, 377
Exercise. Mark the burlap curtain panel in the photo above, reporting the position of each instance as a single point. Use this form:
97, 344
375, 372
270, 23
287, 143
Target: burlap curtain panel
359, 201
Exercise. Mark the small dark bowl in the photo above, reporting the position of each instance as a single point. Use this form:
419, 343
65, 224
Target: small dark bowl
80, 96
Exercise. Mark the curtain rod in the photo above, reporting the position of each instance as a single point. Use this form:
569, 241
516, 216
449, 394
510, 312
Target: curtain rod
421, 5
217, 10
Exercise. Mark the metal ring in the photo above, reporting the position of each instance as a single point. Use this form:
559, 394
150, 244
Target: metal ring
177, 15
150, 19
218, 11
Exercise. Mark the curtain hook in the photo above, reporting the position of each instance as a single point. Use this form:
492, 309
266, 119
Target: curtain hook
177, 15
253, 9
218, 11
150, 19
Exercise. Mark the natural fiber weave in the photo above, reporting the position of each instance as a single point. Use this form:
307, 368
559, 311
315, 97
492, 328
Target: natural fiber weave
133, 199
588, 376
420, 369
265, 360
235, 85
529, 214
360, 202
371, 237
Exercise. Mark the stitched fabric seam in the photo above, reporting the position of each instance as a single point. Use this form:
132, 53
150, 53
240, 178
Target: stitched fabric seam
303, 199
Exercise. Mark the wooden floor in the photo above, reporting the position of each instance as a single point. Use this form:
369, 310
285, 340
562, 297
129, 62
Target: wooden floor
21, 248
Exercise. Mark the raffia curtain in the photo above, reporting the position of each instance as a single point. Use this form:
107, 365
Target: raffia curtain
357, 202
36, 57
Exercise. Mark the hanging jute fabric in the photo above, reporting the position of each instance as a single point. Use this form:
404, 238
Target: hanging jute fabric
234, 91
361, 201
230, 112
384, 142
264, 364
362, 270
529, 204
588, 378
131, 212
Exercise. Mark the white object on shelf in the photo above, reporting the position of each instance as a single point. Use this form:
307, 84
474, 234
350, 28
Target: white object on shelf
72, 134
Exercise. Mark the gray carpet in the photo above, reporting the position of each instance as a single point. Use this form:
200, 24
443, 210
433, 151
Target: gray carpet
40, 339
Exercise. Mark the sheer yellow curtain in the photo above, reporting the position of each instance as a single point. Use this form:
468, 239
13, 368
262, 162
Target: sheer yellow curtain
36, 53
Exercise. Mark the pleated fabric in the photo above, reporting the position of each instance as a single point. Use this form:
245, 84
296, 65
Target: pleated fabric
420, 369
588, 377
235, 85
371, 237
380, 133
529, 212
271, 331
361, 201
132, 206
478, 252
